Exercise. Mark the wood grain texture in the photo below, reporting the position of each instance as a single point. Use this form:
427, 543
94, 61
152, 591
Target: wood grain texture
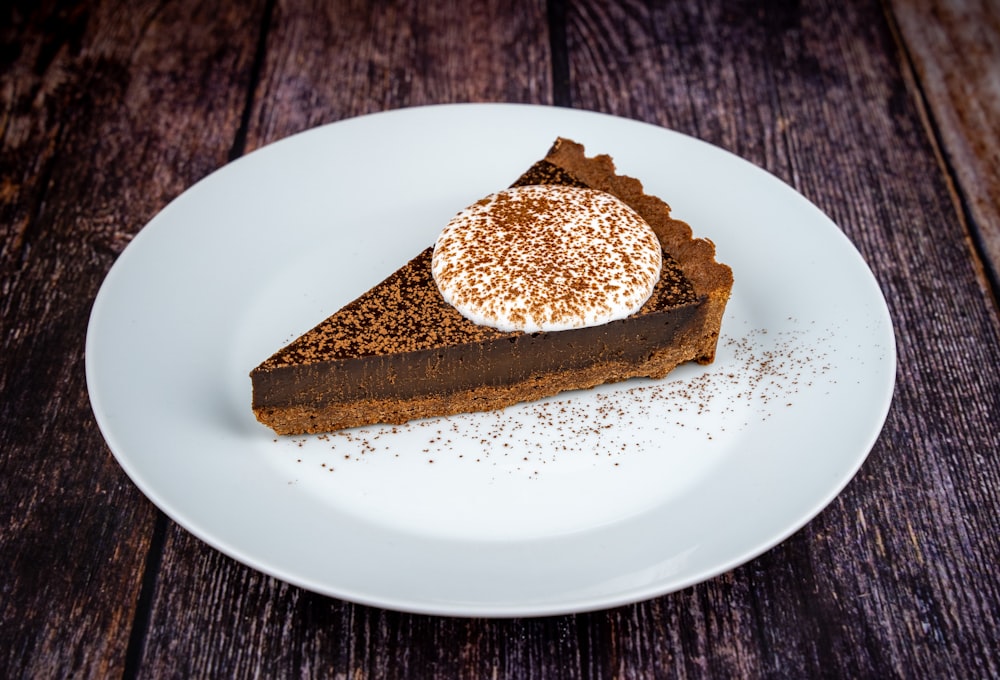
840, 124
108, 111
332, 60
111, 109
955, 48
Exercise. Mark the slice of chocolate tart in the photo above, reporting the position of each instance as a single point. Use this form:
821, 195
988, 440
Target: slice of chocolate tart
401, 352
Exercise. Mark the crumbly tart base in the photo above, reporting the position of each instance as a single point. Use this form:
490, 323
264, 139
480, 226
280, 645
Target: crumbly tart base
330, 378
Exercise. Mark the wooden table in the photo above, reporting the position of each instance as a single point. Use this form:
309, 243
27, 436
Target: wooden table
886, 115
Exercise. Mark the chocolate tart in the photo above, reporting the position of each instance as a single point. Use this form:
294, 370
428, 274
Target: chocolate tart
400, 352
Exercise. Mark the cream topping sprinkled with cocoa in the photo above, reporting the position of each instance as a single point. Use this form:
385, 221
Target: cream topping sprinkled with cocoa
547, 258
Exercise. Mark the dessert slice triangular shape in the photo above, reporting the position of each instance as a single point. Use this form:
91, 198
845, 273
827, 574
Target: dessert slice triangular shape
401, 352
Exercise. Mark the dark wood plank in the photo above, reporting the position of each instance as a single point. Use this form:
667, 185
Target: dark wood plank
324, 62
108, 111
332, 60
898, 573
955, 48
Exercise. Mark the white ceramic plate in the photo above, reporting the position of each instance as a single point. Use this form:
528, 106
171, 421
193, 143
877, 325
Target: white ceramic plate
579, 502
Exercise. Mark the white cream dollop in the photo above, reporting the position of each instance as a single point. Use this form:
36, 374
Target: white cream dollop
547, 258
